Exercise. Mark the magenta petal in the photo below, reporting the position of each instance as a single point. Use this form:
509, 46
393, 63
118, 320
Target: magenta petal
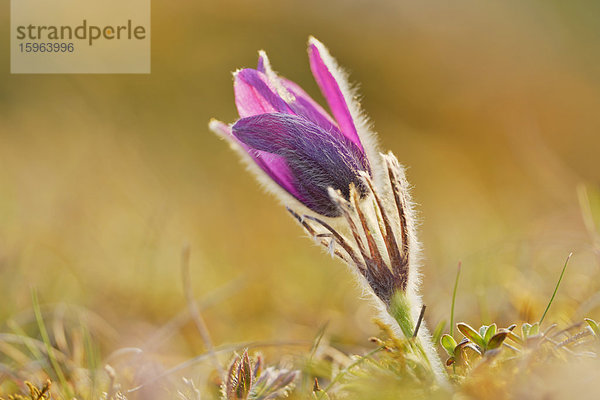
304, 105
276, 167
332, 93
253, 94
317, 158
299, 101
273, 165
299, 93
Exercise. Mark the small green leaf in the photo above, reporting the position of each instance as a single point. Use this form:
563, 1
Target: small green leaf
490, 332
594, 325
471, 334
448, 343
482, 330
525, 330
497, 340
534, 330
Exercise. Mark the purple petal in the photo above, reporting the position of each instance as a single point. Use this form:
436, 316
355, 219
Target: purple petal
332, 93
276, 167
317, 159
253, 94
304, 105
273, 165
299, 93
299, 101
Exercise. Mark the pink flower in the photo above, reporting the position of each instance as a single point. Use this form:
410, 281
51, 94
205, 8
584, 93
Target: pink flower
299, 146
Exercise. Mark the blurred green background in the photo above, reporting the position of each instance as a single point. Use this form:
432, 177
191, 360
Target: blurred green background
492, 105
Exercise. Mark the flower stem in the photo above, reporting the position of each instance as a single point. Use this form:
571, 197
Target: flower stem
401, 310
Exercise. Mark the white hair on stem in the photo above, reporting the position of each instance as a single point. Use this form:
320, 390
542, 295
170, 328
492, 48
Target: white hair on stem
383, 252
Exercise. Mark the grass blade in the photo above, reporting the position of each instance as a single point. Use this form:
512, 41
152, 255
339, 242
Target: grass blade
454, 299
49, 348
556, 288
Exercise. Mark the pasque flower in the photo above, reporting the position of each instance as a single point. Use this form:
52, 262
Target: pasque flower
330, 165
327, 163
292, 138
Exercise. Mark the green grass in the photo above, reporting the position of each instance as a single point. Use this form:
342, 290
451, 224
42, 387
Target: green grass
487, 364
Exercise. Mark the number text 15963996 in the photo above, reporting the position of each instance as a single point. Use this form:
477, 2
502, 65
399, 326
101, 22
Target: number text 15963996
33, 47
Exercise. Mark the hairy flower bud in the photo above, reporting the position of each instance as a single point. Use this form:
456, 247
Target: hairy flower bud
292, 139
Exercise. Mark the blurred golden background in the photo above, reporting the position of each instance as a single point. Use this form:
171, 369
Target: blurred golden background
492, 105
